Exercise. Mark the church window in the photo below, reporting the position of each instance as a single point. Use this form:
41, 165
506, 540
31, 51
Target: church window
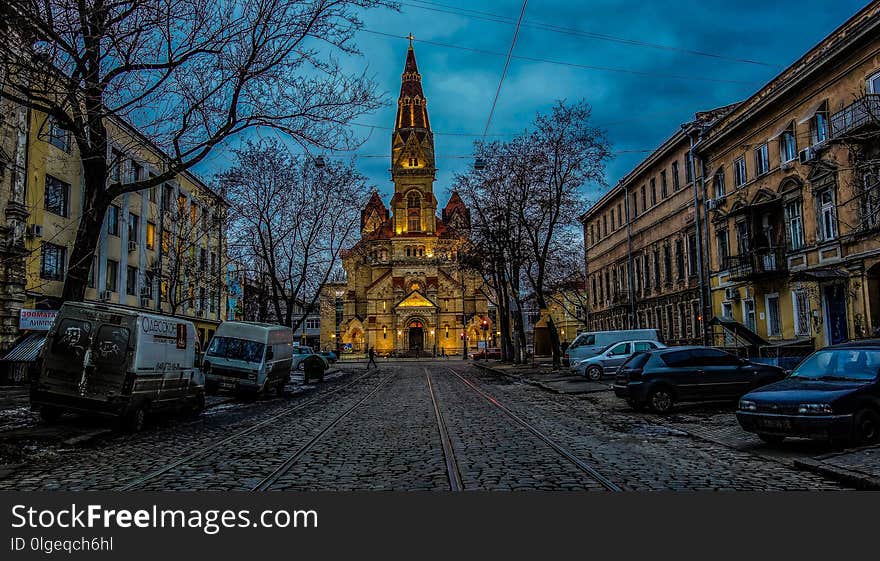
414, 223
413, 200
413, 162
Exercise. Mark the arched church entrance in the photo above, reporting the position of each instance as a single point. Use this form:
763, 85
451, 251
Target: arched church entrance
416, 336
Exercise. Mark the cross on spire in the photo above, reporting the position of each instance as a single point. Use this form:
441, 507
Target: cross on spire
410, 37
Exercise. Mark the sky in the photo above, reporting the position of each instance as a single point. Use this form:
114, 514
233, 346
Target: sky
641, 103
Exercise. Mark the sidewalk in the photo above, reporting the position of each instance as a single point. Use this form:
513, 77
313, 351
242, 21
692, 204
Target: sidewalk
859, 468
562, 381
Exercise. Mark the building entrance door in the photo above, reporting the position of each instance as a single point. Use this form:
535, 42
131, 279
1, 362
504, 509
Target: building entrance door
416, 336
835, 313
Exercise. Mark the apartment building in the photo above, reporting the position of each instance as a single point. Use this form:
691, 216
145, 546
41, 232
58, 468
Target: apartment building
161, 249
643, 242
793, 198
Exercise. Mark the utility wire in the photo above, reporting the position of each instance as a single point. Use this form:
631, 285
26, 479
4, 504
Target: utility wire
498, 18
563, 63
522, 12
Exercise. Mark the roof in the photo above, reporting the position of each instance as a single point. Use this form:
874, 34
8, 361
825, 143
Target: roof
27, 349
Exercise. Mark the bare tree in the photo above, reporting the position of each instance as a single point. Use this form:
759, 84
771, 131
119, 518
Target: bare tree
290, 220
188, 73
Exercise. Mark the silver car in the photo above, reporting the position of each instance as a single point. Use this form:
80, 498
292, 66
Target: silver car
615, 354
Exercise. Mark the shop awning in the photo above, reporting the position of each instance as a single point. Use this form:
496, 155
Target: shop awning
739, 330
27, 349
820, 275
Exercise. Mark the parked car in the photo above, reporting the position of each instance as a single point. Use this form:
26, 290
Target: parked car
300, 352
662, 377
832, 394
491, 352
615, 354
592, 343
117, 361
329, 355
245, 356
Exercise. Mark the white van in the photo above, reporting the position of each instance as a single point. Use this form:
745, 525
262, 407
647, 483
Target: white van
118, 361
591, 343
249, 356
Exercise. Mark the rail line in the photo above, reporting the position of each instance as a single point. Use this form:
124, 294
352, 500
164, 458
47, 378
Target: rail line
285, 466
589, 470
452, 470
131, 485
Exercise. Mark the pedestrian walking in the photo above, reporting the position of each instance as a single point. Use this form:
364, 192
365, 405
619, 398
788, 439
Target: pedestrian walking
372, 354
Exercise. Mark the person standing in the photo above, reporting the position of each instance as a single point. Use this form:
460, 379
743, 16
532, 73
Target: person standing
372, 354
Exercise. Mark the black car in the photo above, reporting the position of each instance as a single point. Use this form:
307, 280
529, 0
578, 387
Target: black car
662, 377
833, 394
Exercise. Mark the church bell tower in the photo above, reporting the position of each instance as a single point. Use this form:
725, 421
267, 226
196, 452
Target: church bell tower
413, 170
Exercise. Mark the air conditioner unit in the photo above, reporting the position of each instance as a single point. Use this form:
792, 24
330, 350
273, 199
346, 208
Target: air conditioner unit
145, 291
35, 230
105, 295
785, 166
132, 246
712, 204
806, 155
145, 301
731, 293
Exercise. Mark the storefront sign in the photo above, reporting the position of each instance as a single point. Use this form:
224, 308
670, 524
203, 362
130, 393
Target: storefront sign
36, 320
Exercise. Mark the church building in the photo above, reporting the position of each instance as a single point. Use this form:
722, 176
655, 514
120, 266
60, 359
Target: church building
405, 293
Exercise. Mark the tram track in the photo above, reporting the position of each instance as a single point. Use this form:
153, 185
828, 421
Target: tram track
293, 458
590, 471
202, 451
452, 469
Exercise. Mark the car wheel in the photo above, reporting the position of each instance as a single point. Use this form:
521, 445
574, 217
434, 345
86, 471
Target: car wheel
866, 427
635, 405
300, 366
773, 439
50, 414
661, 400
136, 419
594, 373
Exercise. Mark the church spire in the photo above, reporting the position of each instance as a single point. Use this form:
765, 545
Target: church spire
412, 107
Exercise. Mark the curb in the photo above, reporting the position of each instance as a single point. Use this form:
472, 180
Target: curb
845, 476
540, 385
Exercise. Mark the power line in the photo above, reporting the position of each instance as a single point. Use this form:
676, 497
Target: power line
522, 12
498, 18
569, 64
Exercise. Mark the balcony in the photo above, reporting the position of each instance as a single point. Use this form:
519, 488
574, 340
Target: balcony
863, 112
761, 263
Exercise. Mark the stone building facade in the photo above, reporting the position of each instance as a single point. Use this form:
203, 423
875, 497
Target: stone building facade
404, 292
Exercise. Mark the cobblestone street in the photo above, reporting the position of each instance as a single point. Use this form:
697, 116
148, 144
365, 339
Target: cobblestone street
380, 430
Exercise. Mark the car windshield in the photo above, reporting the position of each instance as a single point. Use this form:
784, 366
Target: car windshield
840, 364
236, 349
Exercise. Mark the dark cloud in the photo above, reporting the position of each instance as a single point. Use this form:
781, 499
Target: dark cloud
638, 111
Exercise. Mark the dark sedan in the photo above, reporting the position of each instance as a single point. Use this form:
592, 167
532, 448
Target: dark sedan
833, 394
662, 377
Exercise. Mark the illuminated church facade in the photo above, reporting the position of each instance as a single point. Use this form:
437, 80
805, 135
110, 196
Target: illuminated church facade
404, 291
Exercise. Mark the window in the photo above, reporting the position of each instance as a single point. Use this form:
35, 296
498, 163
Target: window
679, 259
637, 276
181, 205
52, 260
115, 166
819, 125
112, 275
664, 185
620, 214
604, 224
667, 264
133, 227
743, 243
414, 222
613, 225
788, 145
113, 220
193, 214
873, 85
794, 224
762, 159
676, 182
131, 281
203, 259
688, 167
827, 218
151, 236
692, 254
656, 268
749, 314
313, 323
56, 135
592, 235
635, 204
739, 172
653, 191
136, 170
720, 189
723, 248
56, 196
413, 200
801, 305
870, 198
621, 349
774, 328
92, 268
